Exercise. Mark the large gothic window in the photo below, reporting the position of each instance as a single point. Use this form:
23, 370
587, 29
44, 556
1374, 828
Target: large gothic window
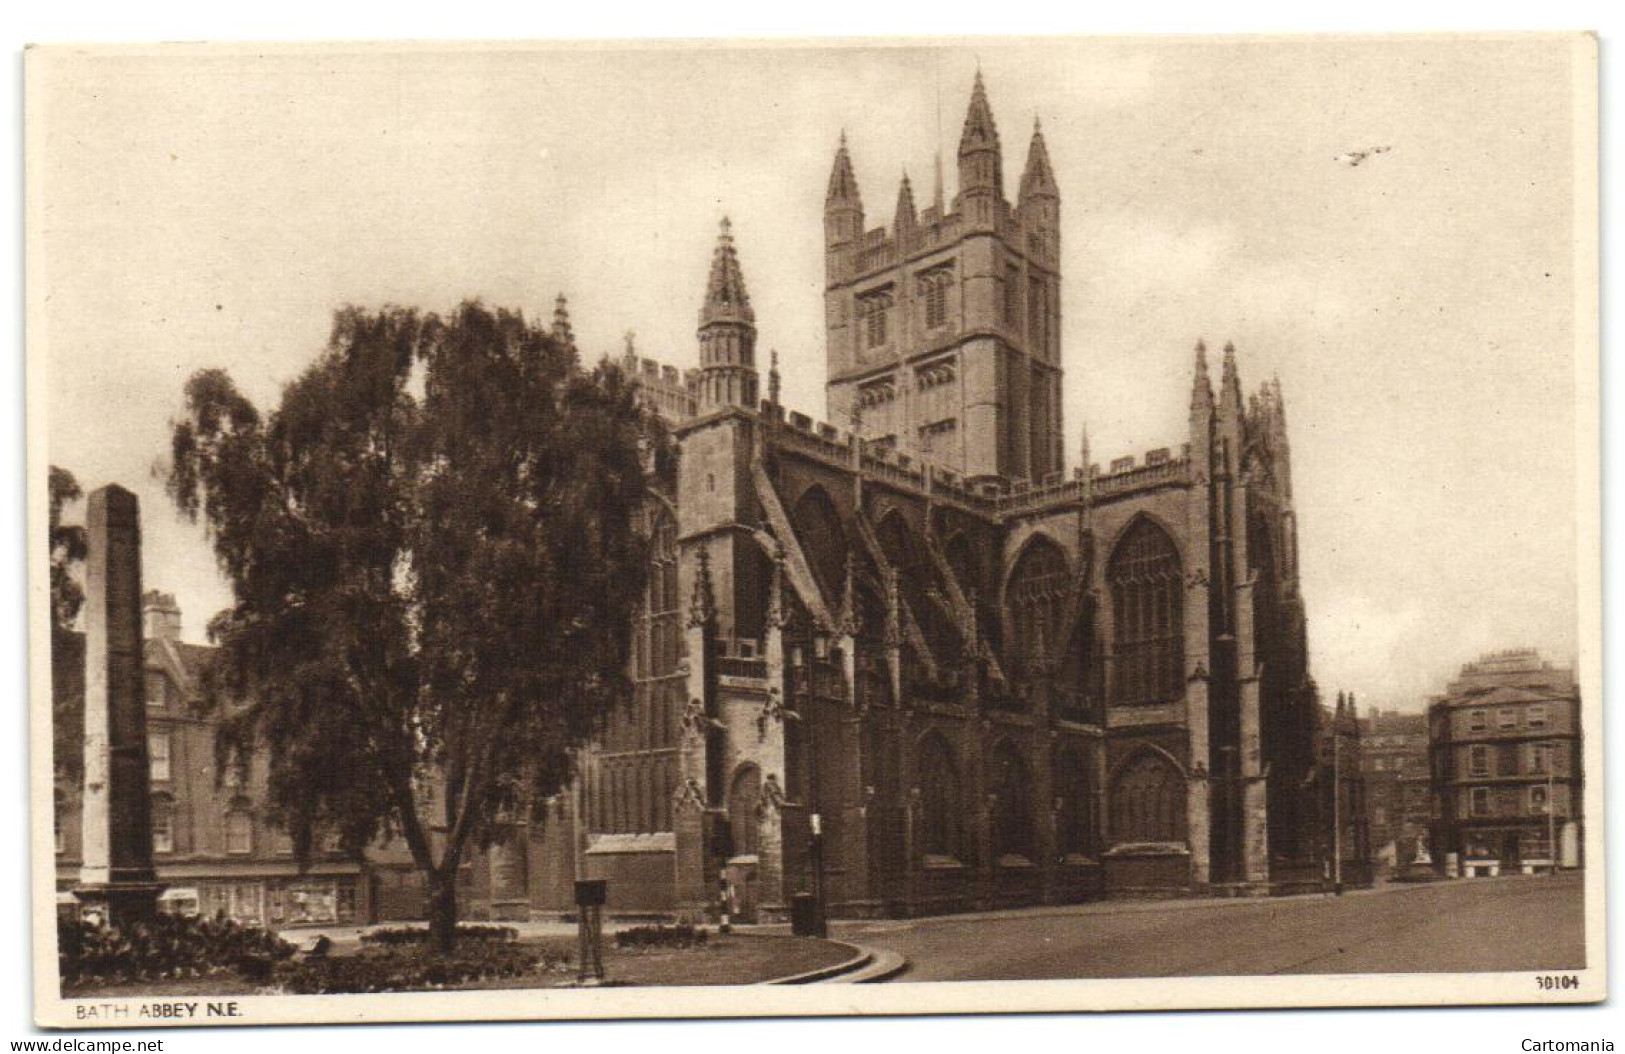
1148, 617
941, 810
933, 290
818, 528
1075, 825
1148, 801
1012, 803
1036, 601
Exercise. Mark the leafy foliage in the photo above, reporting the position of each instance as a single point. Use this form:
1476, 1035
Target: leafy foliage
69, 546
432, 547
167, 947
404, 967
675, 935
417, 934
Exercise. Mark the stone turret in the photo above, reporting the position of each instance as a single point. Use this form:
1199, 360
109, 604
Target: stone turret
981, 162
843, 205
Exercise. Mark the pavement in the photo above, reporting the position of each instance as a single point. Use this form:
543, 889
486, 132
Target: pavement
1504, 924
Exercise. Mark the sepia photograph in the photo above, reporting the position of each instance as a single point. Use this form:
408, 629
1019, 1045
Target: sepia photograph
567, 530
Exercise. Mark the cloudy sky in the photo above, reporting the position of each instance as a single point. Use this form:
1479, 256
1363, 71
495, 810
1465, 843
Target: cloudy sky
201, 208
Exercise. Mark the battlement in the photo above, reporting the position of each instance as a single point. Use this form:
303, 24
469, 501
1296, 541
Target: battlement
671, 392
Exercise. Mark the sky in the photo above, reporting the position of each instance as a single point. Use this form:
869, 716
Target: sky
197, 208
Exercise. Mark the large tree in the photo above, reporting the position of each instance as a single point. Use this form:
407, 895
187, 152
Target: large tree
68, 550
434, 553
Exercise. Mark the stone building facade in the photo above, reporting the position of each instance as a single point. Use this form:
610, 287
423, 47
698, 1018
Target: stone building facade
907, 660
1504, 746
1394, 761
213, 847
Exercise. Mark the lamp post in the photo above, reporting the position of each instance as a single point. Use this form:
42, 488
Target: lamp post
1551, 806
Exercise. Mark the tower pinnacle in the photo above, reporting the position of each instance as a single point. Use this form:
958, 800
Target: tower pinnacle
727, 330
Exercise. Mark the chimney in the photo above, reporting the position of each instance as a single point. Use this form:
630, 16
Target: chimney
160, 616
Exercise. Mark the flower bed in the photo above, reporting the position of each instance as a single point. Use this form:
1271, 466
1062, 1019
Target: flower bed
418, 934
413, 965
677, 935
167, 947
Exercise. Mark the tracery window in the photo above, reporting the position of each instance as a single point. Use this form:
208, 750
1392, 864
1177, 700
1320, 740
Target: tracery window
873, 311
1148, 617
239, 828
933, 291
1036, 599
941, 814
1148, 801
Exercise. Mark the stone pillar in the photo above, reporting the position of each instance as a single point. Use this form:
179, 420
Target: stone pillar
117, 882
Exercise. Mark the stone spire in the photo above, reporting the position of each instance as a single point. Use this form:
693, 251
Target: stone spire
1201, 384
561, 331
1230, 383
981, 163
1038, 180
906, 217
727, 331
726, 299
773, 376
843, 205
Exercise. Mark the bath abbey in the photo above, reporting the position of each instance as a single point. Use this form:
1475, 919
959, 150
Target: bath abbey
909, 663
905, 664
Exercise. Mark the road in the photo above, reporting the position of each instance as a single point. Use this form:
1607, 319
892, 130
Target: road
1511, 924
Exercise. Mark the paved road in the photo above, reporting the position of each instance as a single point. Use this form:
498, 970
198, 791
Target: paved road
1513, 924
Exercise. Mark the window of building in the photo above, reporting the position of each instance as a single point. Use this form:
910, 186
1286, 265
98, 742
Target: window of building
1478, 761
163, 823
1535, 716
1036, 597
1506, 759
158, 755
1477, 721
155, 691
933, 291
1148, 616
282, 842
941, 816
1481, 801
239, 829
873, 311
1537, 801
1148, 801
1506, 718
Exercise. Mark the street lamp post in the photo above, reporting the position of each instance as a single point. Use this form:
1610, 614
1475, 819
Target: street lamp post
1551, 807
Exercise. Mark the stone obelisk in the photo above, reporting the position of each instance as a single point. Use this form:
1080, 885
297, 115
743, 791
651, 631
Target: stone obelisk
117, 883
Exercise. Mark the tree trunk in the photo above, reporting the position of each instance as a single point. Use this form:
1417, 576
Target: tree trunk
443, 910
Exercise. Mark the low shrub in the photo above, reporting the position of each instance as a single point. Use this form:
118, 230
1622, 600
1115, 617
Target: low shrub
408, 965
164, 948
676, 935
419, 934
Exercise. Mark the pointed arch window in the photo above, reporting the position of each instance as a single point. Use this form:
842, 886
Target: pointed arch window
941, 810
874, 310
933, 292
1148, 801
1036, 599
1148, 617
823, 539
